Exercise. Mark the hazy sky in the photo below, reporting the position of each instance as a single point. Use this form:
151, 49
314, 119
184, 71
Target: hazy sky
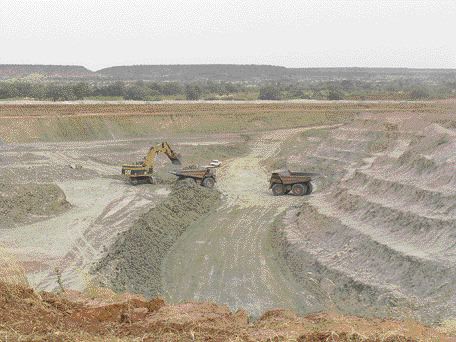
291, 33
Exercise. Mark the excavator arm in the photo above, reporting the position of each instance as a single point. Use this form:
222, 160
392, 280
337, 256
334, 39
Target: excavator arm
160, 148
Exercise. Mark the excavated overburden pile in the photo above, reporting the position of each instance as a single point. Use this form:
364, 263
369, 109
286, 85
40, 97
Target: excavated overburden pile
133, 263
381, 240
25, 203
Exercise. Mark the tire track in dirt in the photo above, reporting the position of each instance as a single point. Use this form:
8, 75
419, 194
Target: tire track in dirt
103, 205
226, 257
71, 241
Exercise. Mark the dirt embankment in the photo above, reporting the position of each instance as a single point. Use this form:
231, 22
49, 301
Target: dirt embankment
26, 203
133, 263
26, 315
22, 123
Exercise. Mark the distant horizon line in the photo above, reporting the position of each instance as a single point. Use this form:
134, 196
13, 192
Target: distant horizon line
226, 64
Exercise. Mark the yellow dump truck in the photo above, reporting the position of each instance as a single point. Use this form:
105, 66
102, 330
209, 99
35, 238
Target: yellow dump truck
204, 176
285, 181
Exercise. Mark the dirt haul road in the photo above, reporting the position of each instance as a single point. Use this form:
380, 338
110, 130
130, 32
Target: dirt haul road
226, 257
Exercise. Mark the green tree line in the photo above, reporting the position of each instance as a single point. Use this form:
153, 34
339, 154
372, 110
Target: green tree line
141, 90
129, 91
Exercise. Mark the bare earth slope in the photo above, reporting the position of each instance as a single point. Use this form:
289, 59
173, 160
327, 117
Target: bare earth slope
381, 240
133, 263
29, 316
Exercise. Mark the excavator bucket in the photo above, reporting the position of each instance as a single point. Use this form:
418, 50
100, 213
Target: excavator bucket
176, 160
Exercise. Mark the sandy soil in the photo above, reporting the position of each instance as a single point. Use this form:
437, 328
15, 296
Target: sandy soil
133, 263
101, 209
226, 258
102, 204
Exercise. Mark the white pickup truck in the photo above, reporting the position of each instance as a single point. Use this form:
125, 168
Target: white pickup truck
215, 163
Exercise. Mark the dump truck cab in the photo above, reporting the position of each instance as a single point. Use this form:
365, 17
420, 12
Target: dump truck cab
285, 181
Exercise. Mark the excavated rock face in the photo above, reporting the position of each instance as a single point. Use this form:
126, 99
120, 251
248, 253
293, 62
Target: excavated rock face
133, 263
25, 203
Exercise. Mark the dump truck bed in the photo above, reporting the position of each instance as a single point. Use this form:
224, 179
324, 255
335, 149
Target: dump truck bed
291, 177
197, 173
203, 176
303, 174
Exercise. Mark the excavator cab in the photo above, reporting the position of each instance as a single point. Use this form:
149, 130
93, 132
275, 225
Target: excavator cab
142, 172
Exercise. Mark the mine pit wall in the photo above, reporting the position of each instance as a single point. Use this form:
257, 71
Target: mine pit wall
352, 273
380, 241
25, 123
88, 123
83, 128
134, 261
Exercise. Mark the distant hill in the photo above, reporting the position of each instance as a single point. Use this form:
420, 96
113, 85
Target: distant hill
223, 72
253, 73
214, 72
8, 71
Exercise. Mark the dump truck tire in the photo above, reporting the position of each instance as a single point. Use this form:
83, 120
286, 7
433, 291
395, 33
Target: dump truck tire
278, 190
209, 182
309, 188
134, 181
299, 189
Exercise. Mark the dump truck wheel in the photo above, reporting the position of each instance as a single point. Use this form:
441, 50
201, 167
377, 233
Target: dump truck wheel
299, 189
278, 190
209, 182
309, 188
151, 180
134, 181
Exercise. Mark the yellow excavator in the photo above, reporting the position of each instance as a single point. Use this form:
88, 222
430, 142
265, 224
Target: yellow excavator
142, 172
